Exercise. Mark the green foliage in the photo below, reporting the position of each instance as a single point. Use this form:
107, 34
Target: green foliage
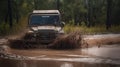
74, 12
4, 28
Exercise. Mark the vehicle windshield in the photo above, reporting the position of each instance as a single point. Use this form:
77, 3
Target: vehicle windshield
44, 20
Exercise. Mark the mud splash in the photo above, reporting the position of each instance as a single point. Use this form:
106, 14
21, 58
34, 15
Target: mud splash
67, 41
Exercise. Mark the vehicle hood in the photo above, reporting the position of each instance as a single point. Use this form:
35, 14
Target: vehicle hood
46, 28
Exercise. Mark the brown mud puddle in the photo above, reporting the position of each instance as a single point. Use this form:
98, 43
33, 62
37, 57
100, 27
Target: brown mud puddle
74, 58
49, 63
62, 58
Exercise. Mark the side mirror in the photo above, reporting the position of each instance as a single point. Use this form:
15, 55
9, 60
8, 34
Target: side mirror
62, 24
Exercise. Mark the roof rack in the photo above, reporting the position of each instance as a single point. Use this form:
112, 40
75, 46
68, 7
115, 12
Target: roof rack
46, 11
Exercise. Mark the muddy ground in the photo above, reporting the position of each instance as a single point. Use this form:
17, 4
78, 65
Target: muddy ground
61, 58
91, 40
105, 39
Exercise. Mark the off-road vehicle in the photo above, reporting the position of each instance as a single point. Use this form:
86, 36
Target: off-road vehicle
45, 25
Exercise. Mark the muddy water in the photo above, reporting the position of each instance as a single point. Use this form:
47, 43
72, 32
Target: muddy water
60, 58
34, 63
106, 56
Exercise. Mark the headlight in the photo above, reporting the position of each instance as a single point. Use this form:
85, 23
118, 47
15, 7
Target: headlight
34, 28
61, 32
30, 31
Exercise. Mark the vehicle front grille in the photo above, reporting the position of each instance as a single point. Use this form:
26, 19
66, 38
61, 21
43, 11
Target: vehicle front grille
46, 35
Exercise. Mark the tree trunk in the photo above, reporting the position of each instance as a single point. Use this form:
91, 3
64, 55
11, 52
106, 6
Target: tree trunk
58, 4
17, 13
10, 13
108, 22
35, 4
89, 13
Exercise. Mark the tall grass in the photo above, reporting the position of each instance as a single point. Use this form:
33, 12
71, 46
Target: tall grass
4, 28
20, 26
17, 27
91, 30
